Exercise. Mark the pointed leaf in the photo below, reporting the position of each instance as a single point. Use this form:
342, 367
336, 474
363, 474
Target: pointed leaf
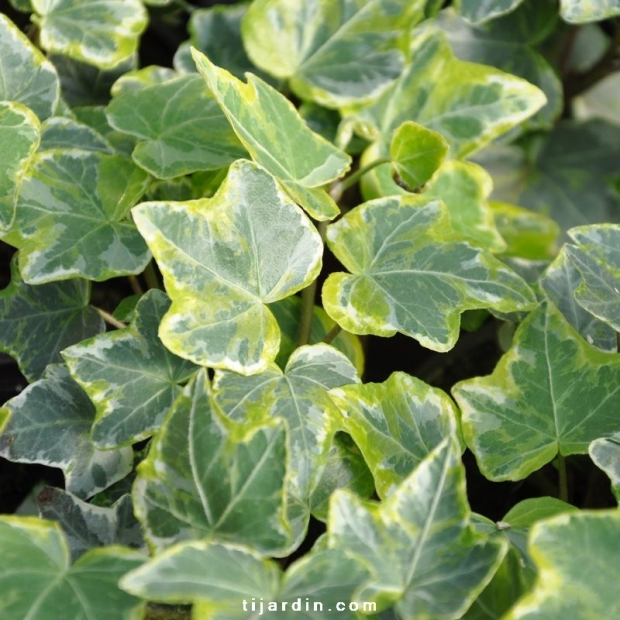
129, 375
551, 393
223, 259
605, 452
277, 138
398, 245
578, 12
50, 424
479, 12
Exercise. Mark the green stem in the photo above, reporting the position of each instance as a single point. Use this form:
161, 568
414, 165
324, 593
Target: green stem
135, 285
150, 276
108, 318
561, 465
331, 334
342, 186
307, 314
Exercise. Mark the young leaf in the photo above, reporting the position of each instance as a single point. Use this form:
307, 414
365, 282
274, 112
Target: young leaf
605, 452
50, 424
396, 424
479, 12
38, 322
579, 12
419, 544
129, 375
223, 259
277, 138
411, 274
551, 393
34, 552
181, 126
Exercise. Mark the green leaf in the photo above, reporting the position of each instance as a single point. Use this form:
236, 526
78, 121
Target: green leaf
49, 424
419, 544
600, 101
37, 580
138, 79
396, 245
417, 153
605, 452
26, 77
297, 395
19, 135
222, 260
199, 481
65, 133
102, 33
572, 552
95, 118
551, 394
479, 12
129, 375
579, 12
181, 127
396, 424
529, 511
38, 322
333, 53
277, 138
71, 217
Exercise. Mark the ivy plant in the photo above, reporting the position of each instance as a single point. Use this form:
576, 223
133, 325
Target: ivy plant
315, 313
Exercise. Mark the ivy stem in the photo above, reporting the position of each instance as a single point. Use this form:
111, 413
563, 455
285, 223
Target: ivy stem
150, 276
135, 285
108, 318
331, 334
561, 465
342, 186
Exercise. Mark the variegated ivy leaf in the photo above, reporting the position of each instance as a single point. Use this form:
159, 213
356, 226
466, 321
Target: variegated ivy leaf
19, 136
396, 424
129, 375
222, 260
333, 53
71, 217
578, 570
199, 481
480, 11
60, 132
605, 452
298, 395
277, 137
469, 104
26, 76
578, 11
551, 394
411, 274
181, 126
50, 424
38, 322
425, 557
102, 33
38, 581
137, 79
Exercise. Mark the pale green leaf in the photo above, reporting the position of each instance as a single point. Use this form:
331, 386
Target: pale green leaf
411, 274
101, 33
38, 582
129, 375
529, 511
277, 137
480, 11
22, 5
333, 52
64, 133
50, 424
181, 127
551, 394
198, 481
222, 260
396, 424
605, 452
26, 77
38, 322
580, 11
138, 79
419, 544
600, 101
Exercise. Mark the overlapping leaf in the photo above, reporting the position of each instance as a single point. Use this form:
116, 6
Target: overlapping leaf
138, 79
50, 424
478, 12
129, 375
605, 452
332, 53
198, 481
411, 274
552, 393
38, 322
223, 259
65, 133
396, 424
277, 138
577, 11
38, 581
102, 33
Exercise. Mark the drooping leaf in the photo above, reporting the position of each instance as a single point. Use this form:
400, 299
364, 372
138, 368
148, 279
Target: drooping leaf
411, 274
477, 11
551, 394
129, 375
71, 217
396, 424
198, 481
65, 133
277, 138
50, 424
605, 452
26, 77
38, 322
223, 259
419, 544
181, 126
576, 11
332, 53
102, 33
